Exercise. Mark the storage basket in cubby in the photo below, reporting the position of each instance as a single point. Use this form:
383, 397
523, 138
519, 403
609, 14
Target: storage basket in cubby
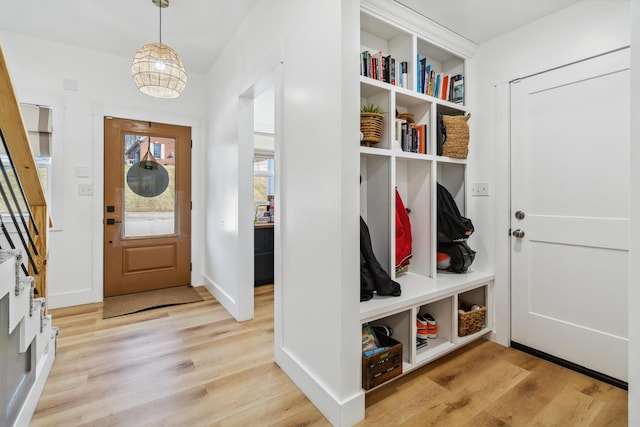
471, 321
383, 366
457, 142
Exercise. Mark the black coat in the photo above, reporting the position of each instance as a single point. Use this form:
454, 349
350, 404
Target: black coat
373, 278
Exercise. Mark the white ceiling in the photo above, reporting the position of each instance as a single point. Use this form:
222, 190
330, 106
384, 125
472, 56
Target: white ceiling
198, 29
483, 20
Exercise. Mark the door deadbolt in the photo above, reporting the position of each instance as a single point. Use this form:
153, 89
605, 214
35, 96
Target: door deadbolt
518, 233
519, 215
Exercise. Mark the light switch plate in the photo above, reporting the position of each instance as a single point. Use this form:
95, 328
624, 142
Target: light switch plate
82, 171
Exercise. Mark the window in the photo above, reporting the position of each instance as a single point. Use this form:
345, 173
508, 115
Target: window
157, 150
148, 214
263, 179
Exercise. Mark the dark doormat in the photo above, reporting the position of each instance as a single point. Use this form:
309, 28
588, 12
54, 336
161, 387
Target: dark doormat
131, 303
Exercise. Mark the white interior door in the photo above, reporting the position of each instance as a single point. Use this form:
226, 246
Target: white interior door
570, 187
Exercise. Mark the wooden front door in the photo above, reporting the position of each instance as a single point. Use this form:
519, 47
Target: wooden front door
570, 212
147, 199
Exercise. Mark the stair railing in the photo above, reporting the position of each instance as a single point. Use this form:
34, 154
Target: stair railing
25, 222
13, 210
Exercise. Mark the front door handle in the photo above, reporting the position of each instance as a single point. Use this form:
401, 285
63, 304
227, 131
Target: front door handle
112, 221
518, 233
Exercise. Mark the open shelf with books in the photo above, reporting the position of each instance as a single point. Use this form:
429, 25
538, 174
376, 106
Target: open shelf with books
439, 73
386, 51
402, 170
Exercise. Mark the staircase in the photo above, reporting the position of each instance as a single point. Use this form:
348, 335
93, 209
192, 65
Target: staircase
27, 338
27, 343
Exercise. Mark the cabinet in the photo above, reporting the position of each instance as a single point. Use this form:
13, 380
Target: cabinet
438, 297
385, 168
263, 254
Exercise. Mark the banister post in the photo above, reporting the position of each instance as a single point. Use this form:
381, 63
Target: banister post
41, 240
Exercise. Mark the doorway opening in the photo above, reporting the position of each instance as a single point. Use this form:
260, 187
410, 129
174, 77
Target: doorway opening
264, 186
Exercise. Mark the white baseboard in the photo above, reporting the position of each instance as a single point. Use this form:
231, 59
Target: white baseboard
347, 412
226, 300
69, 299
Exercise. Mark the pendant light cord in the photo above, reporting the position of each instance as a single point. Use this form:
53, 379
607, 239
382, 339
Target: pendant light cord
160, 7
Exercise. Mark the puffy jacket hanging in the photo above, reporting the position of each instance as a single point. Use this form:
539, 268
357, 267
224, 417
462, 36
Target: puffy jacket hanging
453, 232
452, 226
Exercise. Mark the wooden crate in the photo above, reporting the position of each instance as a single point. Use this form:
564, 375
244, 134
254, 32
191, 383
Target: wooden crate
383, 366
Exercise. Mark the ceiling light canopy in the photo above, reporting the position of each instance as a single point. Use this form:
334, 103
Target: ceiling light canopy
157, 69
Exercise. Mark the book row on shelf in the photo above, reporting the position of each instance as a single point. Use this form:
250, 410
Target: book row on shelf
385, 68
411, 137
439, 85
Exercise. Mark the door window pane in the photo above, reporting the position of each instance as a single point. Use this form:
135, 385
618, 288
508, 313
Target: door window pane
149, 216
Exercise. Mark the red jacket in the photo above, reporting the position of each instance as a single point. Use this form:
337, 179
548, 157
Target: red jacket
403, 233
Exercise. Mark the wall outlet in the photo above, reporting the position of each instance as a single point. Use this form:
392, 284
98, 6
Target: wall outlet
480, 189
85, 189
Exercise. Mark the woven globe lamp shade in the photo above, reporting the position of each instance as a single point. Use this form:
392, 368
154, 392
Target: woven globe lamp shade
158, 71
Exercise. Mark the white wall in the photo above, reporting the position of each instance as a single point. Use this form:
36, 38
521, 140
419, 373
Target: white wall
317, 271
104, 87
318, 287
588, 28
634, 253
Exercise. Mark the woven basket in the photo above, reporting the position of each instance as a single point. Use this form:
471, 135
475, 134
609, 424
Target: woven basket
406, 116
371, 128
457, 142
471, 321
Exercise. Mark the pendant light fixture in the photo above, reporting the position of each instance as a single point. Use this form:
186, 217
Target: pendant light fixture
157, 69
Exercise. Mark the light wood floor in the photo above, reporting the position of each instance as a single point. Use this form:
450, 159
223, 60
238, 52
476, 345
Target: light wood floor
193, 365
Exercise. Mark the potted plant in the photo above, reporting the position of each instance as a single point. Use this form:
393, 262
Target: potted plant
371, 122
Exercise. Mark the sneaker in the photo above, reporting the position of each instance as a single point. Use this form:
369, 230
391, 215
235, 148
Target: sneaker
432, 326
422, 326
383, 330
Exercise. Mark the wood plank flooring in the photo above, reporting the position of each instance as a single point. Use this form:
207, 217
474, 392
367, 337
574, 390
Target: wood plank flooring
193, 365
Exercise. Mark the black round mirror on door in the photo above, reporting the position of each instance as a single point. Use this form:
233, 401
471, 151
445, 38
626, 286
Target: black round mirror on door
148, 178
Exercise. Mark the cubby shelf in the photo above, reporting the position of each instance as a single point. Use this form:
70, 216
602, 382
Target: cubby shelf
385, 168
438, 297
434, 349
418, 290
392, 99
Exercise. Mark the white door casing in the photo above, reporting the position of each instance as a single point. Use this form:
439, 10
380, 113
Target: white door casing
570, 177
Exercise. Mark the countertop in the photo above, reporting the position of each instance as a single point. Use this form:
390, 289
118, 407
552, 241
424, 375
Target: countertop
263, 225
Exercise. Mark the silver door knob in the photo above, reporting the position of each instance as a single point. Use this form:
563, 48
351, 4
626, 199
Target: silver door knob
519, 215
518, 233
